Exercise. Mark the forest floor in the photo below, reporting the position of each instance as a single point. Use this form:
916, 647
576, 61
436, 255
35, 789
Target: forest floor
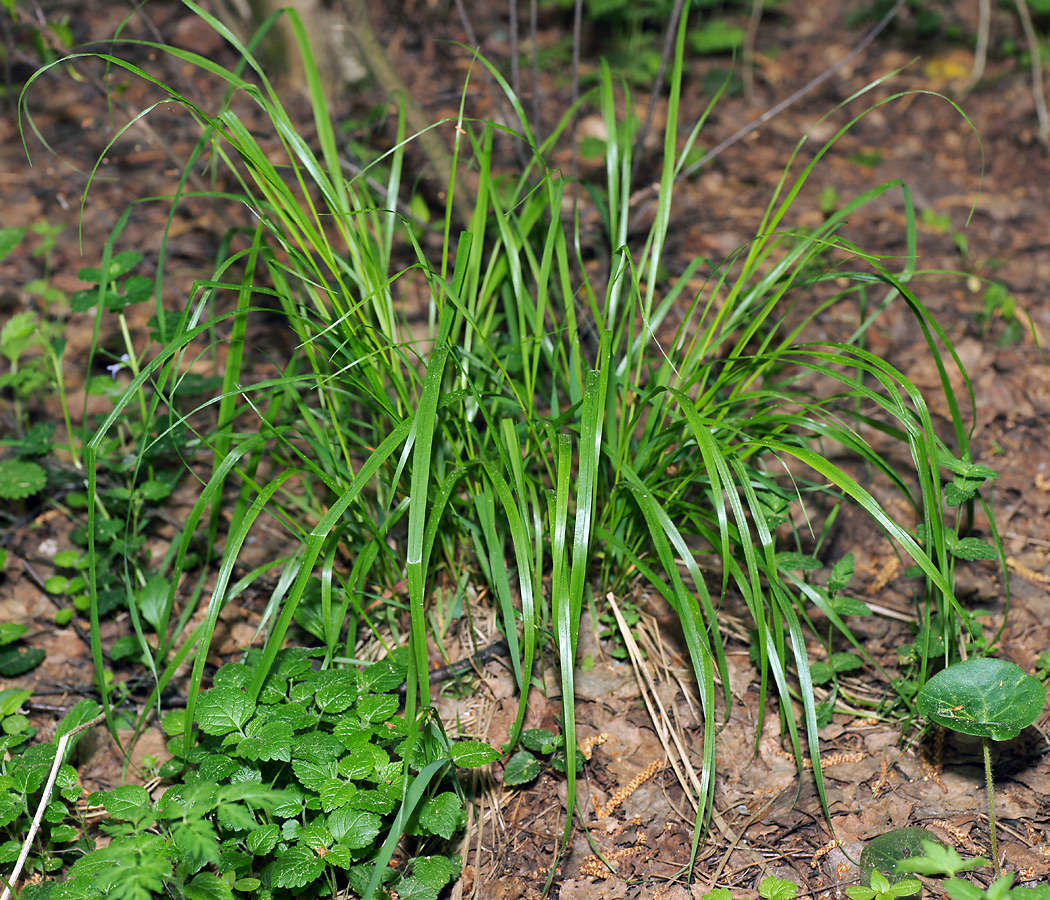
768, 819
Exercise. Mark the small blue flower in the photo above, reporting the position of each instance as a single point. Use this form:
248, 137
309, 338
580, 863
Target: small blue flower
117, 366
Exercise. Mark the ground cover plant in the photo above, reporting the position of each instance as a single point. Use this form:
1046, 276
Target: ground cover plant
549, 431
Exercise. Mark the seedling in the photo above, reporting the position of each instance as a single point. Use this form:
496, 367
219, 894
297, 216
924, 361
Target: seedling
989, 698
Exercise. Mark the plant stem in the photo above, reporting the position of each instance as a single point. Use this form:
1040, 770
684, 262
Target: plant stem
991, 804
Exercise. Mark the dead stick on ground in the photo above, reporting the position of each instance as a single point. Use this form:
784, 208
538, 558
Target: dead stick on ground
45, 798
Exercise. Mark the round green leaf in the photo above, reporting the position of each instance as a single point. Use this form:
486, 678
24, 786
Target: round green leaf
522, 767
986, 697
882, 854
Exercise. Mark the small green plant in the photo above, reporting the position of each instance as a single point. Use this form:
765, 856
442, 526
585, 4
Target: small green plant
524, 766
24, 769
16, 658
882, 858
882, 889
993, 699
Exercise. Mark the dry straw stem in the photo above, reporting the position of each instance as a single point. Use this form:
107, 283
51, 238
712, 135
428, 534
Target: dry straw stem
45, 798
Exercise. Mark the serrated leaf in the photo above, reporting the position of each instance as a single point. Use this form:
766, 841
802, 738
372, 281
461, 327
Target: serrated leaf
206, 886
17, 333
849, 606
296, 867
217, 767
273, 742
313, 775
223, 709
196, 840
521, 768
361, 762
126, 802
442, 815
15, 661
261, 841
383, 676
372, 800
972, 548
773, 888
20, 478
472, 754
62, 834
429, 875
336, 697
841, 574
354, 827
791, 562
336, 793
377, 707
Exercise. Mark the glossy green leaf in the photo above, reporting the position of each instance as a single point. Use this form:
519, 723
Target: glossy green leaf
987, 697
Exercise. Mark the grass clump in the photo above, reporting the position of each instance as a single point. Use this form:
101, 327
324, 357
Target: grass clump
548, 425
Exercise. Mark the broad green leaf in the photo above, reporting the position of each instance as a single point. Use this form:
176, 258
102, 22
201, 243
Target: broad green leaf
206, 886
273, 742
972, 548
313, 775
883, 854
126, 802
442, 815
522, 767
773, 888
12, 236
261, 841
354, 827
987, 697
296, 867
223, 709
335, 793
377, 707
472, 754
429, 875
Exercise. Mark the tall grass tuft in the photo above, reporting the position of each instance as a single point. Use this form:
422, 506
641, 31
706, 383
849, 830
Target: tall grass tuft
549, 426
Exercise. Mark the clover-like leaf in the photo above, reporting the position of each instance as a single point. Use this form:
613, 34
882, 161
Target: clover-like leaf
987, 697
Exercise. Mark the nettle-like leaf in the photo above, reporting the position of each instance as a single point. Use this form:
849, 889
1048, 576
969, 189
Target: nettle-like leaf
223, 709
384, 676
197, 842
429, 875
362, 762
262, 841
353, 827
337, 692
377, 707
336, 793
521, 768
442, 815
472, 754
21, 478
206, 886
373, 801
313, 775
295, 714
126, 802
971, 548
273, 741
296, 867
